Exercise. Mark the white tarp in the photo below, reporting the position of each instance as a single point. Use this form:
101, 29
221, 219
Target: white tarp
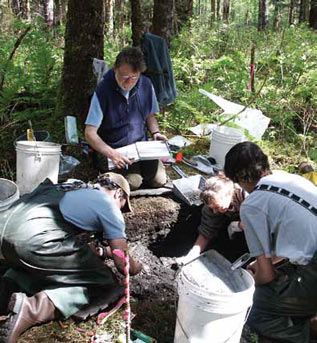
179, 141
202, 129
251, 119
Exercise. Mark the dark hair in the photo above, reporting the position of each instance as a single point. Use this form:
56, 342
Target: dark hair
132, 56
304, 167
246, 162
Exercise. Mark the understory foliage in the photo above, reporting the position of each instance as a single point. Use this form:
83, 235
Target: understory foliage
32, 75
218, 60
215, 58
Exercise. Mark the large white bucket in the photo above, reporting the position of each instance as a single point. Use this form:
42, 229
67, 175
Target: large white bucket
213, 301
223, 138
36, 161
9, 193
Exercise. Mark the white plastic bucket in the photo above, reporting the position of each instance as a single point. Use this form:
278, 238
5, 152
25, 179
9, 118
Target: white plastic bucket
9, 193
36, 161
223, 138
213, 301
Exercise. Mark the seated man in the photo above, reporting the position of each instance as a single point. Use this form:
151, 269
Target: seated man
280, 225
123, 105
222, 200
57, 272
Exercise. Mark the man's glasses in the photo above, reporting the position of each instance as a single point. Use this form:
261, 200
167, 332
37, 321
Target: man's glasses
127, 77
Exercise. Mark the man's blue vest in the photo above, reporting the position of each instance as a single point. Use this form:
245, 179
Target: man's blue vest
123, 119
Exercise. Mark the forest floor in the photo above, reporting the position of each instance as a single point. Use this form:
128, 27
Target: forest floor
160, 229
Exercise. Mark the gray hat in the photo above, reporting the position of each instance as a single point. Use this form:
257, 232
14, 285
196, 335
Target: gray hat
120, 181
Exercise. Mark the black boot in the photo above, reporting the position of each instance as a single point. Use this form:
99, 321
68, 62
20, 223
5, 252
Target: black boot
7, 287
313, 328
25, 312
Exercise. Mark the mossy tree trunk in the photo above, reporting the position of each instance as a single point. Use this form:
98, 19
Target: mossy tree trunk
84, 40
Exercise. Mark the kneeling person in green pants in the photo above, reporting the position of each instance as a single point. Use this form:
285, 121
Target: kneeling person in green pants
57, 272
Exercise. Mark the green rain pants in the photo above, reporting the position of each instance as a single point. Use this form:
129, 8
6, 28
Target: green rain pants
282, 308
46, 255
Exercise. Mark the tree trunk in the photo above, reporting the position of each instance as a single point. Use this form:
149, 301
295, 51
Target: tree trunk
303, 11
119, 16
184, 11
291, 12
263, 15
246, 17
57, 13
277, 16
25, 9
48, 11
60, 7
212, 10
136, 22
163, 16
313, 14
218, 10
226, 10
109, 17
84, 40
15, 6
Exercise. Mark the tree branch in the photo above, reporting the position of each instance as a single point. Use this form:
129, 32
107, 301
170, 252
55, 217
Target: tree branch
16, 45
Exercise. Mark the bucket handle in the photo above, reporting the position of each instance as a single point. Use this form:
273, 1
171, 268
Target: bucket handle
38, 157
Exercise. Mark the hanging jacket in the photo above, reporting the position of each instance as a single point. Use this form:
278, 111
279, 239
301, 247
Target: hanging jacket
159, 68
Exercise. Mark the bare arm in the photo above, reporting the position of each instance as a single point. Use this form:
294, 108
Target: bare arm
153, 127
92, 137
262, 270
135, 267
